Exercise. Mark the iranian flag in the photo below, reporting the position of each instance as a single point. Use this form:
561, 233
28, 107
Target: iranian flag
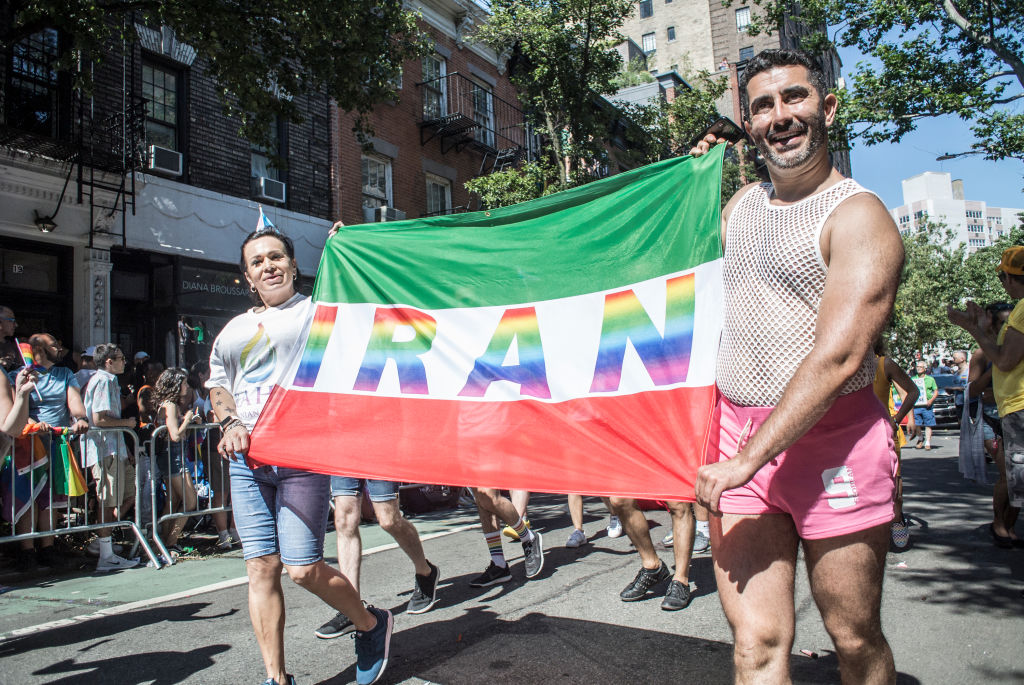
566, 344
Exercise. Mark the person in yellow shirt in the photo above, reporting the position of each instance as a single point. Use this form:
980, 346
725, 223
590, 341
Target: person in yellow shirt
1005, 351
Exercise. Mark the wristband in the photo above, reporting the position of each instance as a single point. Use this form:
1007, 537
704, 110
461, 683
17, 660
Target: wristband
228, 420
80, 418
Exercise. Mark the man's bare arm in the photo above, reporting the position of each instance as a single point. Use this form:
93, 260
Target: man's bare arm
223, 403
976, 321
865, 257
236, 436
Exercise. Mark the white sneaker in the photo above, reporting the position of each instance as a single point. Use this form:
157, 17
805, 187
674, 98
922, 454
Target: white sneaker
577, 538
614, 527
93, 548
116, 563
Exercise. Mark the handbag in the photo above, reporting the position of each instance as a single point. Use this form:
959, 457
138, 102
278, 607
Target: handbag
972, 445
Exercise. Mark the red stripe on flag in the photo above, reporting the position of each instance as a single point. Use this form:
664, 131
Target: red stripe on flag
646, 445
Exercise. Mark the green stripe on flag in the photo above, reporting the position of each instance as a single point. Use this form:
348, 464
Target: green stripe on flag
659, 219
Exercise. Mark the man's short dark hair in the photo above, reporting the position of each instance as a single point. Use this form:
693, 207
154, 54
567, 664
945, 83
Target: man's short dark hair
104, 352
781, 57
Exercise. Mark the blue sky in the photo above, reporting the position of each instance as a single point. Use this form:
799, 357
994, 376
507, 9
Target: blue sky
881, 167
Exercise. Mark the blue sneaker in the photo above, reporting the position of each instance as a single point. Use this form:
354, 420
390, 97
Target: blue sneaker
372, 647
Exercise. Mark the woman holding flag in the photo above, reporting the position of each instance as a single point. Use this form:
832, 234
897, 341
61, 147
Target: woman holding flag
280, 513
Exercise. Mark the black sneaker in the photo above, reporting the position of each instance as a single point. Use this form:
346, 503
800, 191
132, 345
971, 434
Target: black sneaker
493, 575
676, 597
336, 627
644, 581
424, 592
533, 554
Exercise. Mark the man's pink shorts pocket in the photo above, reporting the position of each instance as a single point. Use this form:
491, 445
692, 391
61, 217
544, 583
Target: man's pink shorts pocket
839, 478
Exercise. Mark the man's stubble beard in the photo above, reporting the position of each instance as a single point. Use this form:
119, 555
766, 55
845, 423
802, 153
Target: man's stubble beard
816, 131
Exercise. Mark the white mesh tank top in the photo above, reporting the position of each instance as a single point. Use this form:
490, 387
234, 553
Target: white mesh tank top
774, 275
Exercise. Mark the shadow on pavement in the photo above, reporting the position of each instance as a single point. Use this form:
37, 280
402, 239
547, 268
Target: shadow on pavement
480, 647
970, 572
158, 668
110, 626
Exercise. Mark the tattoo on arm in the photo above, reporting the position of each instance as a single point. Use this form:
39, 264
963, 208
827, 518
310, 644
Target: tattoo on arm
223, 403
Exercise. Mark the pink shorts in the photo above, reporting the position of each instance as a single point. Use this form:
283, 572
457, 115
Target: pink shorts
839, 478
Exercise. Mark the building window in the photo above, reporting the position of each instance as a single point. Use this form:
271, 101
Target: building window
742, 19
376, 182
31, 103
746, 53
671, 33
647, 42
646, 8
483, 113
439, 195
160, 89
262, 155
435, 88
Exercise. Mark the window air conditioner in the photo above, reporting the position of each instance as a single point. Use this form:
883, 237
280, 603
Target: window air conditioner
164, 161
264, 188
388, 214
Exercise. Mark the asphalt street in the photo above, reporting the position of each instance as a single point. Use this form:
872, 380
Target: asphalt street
952, 610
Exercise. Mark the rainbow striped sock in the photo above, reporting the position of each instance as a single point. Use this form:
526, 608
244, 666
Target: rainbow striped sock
493, 541
522, 530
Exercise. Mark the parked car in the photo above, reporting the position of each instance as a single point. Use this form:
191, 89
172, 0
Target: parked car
947, 405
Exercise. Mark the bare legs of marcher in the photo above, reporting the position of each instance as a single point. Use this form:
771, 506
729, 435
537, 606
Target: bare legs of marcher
1004, 517
347, 514
520, 500
653, 570
755, 566
493, 507
577, 537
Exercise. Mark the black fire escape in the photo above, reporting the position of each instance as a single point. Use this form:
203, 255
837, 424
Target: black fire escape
45, 118
462, 114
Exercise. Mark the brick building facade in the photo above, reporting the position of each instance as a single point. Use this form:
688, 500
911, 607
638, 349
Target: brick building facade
104, 238
455, 117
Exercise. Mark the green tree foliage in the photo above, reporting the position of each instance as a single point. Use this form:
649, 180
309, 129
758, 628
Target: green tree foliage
930, 58
937, 275
516, 184
667, 129
260, 53
563, 58
634, 74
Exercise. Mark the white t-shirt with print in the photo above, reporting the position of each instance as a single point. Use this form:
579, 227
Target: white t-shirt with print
251, 351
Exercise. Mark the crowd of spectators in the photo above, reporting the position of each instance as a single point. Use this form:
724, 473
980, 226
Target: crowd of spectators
84, 391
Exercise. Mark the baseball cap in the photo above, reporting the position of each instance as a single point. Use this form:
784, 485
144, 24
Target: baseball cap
141, 355
1012, 261
90, 351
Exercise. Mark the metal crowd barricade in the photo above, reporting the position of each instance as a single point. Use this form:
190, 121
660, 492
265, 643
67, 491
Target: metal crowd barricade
197, 447
36, 472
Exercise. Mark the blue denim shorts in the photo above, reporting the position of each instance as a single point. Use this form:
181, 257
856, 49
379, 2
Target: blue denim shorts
280, 511
379, 490
923, 416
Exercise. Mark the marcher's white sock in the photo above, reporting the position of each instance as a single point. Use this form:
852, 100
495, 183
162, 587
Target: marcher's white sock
702, 528
106, 548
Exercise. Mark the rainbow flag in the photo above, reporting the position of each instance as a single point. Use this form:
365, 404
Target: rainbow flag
26, 353
566, 344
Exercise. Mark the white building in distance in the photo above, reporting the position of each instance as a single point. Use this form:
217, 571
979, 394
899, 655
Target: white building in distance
934, 196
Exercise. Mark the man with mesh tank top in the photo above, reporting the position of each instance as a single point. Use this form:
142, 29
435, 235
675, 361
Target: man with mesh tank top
810, 270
